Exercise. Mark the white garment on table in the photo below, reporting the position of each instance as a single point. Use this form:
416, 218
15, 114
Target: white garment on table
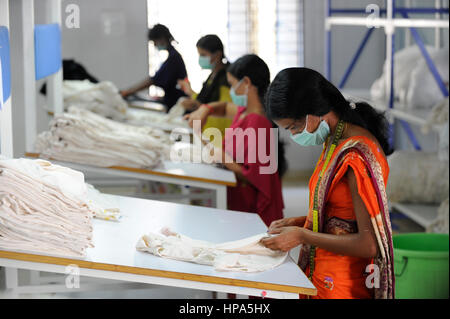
102, 98
245, 255
42, 208
104, 207
83, 137
48, 208
174, 118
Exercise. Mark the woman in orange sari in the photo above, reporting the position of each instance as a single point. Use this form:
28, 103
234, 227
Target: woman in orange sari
346, 238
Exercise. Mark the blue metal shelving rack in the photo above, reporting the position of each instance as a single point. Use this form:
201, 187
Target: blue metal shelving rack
389, 23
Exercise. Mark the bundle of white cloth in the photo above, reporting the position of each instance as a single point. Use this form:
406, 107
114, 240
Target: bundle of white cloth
104, 207
81, 136
43, 208
245, 255
102, 98
173, 119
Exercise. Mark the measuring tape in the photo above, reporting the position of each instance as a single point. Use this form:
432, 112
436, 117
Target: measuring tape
337, 137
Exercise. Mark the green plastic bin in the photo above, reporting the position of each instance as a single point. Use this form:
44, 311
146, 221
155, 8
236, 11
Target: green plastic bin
421, 266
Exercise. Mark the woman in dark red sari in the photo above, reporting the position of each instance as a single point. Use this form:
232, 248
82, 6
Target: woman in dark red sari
249, 143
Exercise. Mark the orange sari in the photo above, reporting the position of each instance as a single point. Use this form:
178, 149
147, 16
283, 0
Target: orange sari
338, 276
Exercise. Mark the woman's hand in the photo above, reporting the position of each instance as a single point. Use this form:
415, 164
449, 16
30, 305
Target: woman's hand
293, 221
200, 114
289, 237
189, 104
124, 93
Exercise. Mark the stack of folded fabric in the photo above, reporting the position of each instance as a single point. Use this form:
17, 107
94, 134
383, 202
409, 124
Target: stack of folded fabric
43, 208
169, 121
102, 98
83, 137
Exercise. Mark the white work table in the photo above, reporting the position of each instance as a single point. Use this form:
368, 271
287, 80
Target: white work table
185, 174
115, 256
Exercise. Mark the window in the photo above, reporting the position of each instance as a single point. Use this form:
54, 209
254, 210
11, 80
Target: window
289, 33
272, 29
188, 21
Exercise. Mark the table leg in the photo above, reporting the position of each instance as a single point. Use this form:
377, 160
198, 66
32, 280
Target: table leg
221, 197
12, 282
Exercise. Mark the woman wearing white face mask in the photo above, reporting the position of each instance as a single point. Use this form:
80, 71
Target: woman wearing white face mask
347, 233
255, 192
170, 71
216, 87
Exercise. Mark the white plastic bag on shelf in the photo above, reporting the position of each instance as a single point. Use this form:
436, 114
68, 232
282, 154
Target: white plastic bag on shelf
439, 116
404, 64
424, 91
441, 223
443, 143
417, 177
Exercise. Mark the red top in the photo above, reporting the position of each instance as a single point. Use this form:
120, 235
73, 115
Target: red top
262, 195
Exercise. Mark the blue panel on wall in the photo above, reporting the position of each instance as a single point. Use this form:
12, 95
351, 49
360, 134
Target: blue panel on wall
47, 44
6, 65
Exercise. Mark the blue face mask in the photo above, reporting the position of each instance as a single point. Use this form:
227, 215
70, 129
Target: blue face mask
239, 100
317, 137
161, 47
205, 62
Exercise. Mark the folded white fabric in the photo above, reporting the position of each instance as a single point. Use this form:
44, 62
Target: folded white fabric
103, 207
102, 98
81, 136
42, 208
245, 255
171, 120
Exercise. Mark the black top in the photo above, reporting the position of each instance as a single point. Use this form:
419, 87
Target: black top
172, 70
211, 87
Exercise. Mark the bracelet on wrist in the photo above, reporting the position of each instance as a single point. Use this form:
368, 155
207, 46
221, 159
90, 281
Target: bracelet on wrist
210, 108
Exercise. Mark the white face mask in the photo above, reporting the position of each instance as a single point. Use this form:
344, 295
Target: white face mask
317, 137
240, 100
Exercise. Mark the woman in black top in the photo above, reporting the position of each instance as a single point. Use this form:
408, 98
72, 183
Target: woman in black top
172, 70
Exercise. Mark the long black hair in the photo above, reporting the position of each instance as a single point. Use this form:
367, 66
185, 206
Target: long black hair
159, 32
258, 72
297, 92
255, 69
211, 43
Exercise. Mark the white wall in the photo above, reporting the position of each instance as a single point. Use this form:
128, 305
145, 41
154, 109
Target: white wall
119, 55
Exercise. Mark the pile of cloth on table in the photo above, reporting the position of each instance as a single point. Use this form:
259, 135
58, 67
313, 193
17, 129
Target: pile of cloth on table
102, 98
245, 255
43, 208
173, 119
80, 136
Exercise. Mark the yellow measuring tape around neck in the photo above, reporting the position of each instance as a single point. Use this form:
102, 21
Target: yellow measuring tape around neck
329, 154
